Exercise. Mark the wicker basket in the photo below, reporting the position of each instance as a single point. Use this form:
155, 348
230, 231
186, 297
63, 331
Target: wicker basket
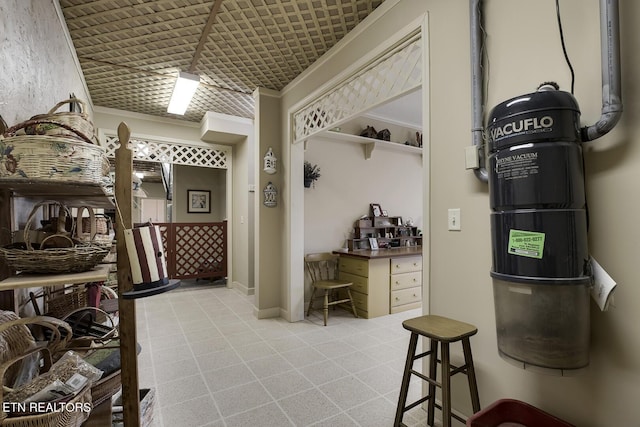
52, 158
106, 387
14, 330
58, 418
93, 229
16, 337
76, 120
81, 257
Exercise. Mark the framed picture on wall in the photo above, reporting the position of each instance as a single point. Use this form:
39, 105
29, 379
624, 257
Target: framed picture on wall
198, 201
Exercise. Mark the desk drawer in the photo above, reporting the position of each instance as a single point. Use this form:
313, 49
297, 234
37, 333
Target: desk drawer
406, 264
360, 283
406, 296
354, 266
360, 301
406, 280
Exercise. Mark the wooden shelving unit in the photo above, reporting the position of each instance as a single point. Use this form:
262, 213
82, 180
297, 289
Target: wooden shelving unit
388, 232
80, 194
21, 281
69, 193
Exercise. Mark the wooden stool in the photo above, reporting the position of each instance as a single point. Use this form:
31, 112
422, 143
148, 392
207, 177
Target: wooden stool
444, 331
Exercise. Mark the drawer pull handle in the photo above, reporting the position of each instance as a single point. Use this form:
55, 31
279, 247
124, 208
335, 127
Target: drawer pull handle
397, 299
397, 265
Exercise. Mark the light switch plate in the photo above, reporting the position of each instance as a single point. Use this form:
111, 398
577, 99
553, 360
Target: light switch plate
453, 219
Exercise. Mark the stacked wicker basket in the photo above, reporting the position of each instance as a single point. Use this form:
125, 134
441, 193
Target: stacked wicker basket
57, 147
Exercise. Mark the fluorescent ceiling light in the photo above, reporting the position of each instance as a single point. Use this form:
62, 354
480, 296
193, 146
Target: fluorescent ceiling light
183, 91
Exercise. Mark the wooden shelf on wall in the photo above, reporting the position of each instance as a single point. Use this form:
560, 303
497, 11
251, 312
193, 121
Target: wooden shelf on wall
369, 144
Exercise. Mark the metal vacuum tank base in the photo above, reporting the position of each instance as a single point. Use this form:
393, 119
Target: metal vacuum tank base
543, 325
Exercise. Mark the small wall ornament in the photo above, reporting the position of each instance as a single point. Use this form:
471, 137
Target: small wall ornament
270, 195
270, 162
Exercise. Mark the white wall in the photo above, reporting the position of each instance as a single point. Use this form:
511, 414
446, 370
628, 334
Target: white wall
195, 178
349, 183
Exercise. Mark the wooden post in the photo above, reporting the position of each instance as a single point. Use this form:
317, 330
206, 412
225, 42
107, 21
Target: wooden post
7, 298
127, 308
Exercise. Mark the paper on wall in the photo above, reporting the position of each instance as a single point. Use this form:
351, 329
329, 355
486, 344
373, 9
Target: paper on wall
603, 286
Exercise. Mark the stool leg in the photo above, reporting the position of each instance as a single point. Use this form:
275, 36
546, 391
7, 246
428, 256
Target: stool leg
433, 374
446, 386
326, 306
471, 375
406, 378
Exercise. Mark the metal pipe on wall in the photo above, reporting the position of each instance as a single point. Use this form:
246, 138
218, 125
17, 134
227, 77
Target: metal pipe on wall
611, 79
477, 91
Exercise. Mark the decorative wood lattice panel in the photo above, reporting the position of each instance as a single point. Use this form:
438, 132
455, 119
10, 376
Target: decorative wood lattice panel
391, 75
166, 152
199, 250
195, 250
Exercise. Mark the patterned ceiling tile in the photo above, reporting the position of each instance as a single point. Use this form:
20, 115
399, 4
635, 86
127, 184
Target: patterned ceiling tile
132, 50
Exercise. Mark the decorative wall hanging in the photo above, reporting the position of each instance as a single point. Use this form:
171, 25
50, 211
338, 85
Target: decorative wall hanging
270, 162
270, 195
198, 201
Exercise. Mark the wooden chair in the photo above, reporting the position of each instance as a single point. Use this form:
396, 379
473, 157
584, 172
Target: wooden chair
323, 271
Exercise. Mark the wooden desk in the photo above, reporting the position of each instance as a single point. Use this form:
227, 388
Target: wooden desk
384, 281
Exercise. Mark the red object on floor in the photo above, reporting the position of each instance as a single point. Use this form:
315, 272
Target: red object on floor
514, 413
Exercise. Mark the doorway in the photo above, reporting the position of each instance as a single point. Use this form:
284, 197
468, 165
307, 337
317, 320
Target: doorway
394, 70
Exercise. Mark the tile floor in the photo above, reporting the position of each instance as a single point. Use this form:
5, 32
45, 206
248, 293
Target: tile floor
212, 363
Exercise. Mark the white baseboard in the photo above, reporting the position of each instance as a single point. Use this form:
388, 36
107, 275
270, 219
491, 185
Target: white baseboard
267, 313
243, 288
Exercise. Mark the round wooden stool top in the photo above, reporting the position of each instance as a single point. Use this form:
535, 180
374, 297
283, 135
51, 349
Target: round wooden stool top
440, 328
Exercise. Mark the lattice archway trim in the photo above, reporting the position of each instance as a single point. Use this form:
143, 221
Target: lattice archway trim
175, 152
394, 73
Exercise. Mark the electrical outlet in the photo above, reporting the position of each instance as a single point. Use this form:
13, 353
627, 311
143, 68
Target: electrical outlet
453, 219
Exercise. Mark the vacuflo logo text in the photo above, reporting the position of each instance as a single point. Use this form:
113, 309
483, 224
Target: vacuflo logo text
530, 125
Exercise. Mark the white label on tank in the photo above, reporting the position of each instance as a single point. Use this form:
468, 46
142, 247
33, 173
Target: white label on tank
517, 166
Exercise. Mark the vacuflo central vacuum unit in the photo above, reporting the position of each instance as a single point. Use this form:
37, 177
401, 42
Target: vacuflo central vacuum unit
540, 256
